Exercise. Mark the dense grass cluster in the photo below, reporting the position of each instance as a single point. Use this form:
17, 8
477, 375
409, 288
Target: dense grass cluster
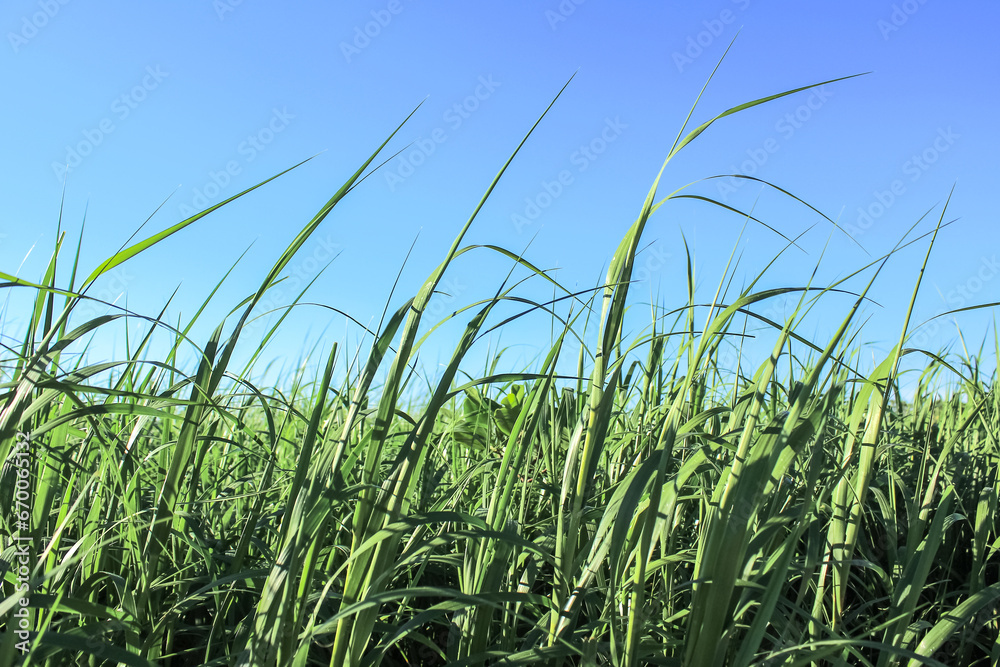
659, 506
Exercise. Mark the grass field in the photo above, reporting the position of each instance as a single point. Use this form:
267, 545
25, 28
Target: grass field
659, 506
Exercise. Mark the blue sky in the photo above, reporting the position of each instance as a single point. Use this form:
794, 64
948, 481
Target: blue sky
186, 104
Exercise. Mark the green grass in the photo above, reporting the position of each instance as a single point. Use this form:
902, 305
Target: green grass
655, 507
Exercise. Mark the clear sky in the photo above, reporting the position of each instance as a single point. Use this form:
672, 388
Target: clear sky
185, 104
